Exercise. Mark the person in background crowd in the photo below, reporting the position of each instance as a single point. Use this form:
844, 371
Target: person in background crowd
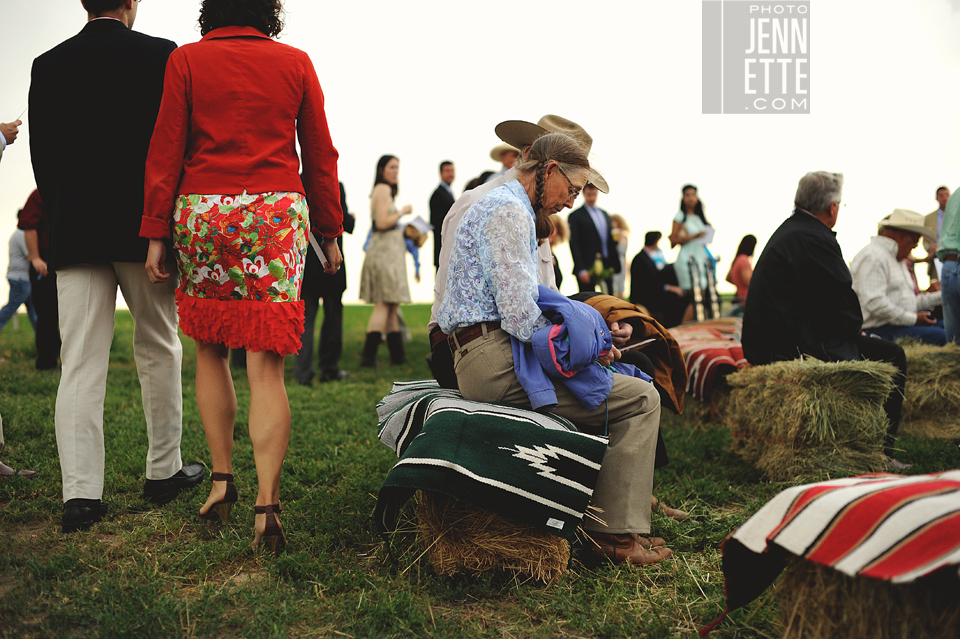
94, 197
317, 286
801, 299
948, 253
5, 471
506, 155
18, 277
883, 281
383, 280
591, 235
690, 232
934, 222
8, 134
224, 181
35, 224
653, 283
559, 234
741, 270
621, 234
440, 202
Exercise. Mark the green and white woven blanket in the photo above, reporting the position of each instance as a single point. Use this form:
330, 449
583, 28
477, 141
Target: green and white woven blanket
529, 467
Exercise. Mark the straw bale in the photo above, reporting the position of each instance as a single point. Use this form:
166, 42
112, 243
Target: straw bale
805, 419
817, 602
931, 405
708, 413
460, 537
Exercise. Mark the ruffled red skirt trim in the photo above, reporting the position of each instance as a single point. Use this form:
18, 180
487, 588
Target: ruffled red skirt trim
255, 326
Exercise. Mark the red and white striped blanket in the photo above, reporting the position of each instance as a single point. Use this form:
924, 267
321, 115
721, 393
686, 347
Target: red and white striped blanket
709, 347
889, 527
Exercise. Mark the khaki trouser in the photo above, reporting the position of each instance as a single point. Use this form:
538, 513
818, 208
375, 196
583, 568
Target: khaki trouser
630, 417
87, 295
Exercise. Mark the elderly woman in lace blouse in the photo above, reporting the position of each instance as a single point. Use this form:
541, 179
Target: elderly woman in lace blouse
491, 295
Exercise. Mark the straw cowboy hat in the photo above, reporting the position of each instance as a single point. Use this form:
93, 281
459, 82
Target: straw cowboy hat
519, 133
500, 149
909, 221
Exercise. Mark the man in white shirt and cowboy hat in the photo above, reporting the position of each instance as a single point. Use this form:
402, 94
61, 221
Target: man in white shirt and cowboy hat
889, 301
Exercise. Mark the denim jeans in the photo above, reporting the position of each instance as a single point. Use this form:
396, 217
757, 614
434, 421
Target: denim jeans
926, 334
19, 294
950, 286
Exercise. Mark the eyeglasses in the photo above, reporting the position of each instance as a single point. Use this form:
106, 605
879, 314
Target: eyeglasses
573, 191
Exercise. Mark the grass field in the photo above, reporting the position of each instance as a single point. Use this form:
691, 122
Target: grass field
162, 572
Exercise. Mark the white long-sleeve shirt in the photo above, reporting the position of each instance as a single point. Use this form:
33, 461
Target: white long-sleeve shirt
885, 288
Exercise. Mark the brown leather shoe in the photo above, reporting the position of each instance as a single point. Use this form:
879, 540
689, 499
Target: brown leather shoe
627, 547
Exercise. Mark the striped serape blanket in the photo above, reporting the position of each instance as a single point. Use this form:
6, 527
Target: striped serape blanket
708, 348
888, 527
530, 467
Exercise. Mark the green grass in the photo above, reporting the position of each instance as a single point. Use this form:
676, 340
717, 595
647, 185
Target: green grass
161, 572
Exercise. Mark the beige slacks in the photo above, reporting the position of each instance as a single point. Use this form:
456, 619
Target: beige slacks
631, 415
87, 296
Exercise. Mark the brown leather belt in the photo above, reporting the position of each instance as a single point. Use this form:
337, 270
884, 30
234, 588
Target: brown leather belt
953, 257
436, 337
470, 333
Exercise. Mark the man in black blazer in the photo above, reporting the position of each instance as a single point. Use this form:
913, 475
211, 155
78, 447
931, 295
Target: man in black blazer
440, 203
653, 283
318, 285
110, 78
588, 225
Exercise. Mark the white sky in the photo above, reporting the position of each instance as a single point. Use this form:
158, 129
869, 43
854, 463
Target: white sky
429, 80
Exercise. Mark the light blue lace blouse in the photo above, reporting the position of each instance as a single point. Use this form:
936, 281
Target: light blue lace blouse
493, 266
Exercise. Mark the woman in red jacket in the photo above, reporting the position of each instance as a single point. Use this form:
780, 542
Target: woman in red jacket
223, 180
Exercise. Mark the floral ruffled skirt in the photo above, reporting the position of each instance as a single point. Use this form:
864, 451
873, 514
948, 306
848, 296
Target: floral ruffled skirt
241, 261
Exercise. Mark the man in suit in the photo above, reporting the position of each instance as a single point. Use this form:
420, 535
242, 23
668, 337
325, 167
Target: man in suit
653, 284
934, 222
590, 235
93, 194
440, 202
318, 285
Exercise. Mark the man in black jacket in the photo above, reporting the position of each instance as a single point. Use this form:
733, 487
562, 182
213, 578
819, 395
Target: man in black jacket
111, 77
653, 284
801, 299
440, 203
318, 285
590, 235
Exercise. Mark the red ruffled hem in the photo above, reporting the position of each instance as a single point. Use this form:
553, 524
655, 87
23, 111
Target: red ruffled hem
255, 326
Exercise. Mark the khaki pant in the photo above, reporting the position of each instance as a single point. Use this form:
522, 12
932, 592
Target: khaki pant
87, 295
630, 417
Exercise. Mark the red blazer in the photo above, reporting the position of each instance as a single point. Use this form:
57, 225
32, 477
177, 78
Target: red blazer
232, 107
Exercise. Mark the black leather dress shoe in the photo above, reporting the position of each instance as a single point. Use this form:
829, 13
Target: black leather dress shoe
80, 514
162, 491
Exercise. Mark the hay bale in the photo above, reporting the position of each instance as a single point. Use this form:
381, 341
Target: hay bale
808, 420
931, 405
712, 412
817, 602
460, 537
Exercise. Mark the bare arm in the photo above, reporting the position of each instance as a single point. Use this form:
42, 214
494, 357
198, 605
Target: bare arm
382, 217
679, 236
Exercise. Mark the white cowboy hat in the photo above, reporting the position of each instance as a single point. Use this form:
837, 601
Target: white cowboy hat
909, 221
500, 149
520, 133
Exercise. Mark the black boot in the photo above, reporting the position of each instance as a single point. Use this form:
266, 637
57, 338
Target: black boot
369, 358
395, 344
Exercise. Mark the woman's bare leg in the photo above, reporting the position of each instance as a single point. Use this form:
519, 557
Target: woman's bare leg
217, 402
269, 425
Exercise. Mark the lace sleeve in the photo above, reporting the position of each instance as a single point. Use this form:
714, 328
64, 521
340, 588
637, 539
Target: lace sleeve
509, 259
